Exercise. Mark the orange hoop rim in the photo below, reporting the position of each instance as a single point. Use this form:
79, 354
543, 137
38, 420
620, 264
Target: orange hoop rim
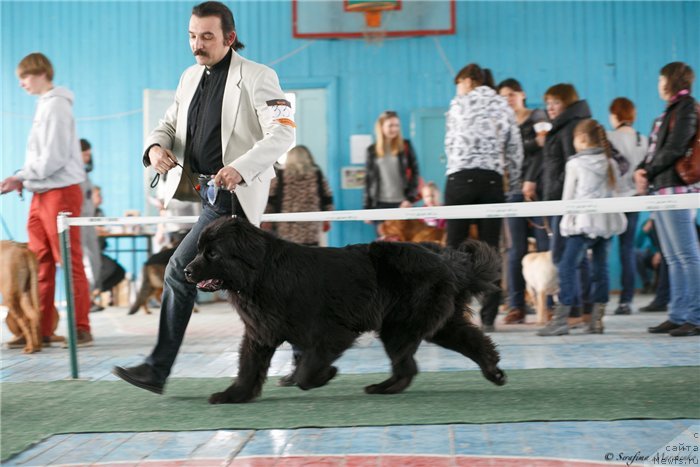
371, 6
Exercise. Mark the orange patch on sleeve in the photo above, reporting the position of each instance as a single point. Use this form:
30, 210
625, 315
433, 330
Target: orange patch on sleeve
286, 121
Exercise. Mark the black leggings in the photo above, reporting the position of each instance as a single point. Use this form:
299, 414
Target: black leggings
476, 186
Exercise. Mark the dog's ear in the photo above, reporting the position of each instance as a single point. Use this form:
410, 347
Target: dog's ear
237, 239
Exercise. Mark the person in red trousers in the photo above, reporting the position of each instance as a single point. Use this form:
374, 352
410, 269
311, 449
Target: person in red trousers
52, 171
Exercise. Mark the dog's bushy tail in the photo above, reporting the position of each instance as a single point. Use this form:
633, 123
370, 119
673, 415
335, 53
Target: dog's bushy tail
477, 267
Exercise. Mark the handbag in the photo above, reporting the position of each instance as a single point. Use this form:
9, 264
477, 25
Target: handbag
688, 166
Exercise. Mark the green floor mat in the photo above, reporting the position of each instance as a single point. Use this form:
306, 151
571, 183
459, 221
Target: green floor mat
32, 411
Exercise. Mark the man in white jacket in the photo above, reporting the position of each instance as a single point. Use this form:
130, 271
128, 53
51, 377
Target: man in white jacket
53, 170
217, 142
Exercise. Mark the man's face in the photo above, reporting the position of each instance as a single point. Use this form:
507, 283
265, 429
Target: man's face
33, 84
87, 155
207, 40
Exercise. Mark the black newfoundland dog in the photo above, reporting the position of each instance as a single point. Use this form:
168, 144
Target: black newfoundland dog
322, 299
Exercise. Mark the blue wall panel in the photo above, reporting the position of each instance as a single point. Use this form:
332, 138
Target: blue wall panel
108, 52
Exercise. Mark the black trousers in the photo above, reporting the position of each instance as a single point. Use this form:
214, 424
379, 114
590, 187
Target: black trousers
476, 186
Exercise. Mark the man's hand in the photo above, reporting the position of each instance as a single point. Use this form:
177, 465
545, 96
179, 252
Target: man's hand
406, 204
161, 159
640, 179
530, 191
11, 184
227, 178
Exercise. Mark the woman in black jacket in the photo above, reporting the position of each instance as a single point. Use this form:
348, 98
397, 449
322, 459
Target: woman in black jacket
392, 169
520, 227
670, 138
565, 110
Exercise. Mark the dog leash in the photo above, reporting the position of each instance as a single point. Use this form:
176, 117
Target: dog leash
197, 187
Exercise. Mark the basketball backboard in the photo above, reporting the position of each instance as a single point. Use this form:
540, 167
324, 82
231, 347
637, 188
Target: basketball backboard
348, 19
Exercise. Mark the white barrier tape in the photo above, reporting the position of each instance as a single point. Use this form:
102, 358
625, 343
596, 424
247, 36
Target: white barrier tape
474, 211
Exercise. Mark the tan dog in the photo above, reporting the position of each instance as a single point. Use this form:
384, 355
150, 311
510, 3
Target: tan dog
542, 279
411, 230
151, 287
153, 274
20, 293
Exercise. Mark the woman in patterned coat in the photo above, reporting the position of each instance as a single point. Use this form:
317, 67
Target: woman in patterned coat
300, 187
484, 159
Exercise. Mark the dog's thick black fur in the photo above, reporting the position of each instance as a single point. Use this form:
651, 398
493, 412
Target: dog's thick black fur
322, 299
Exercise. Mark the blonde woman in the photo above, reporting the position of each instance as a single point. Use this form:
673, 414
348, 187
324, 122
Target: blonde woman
300, 187
392, 169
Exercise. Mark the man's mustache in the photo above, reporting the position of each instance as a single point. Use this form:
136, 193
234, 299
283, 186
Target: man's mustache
200, 52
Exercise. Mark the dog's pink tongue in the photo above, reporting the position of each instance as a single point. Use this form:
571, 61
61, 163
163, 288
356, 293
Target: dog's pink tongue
209, 284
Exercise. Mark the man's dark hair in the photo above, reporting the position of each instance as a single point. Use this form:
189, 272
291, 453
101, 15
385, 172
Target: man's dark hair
84, 144
228, 25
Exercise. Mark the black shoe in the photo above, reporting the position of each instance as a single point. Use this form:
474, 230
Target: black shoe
664, 327
686, 330
654, 307
140, 376
623, 309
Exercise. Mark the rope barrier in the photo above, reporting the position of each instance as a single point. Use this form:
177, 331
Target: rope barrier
474, 211
523, 209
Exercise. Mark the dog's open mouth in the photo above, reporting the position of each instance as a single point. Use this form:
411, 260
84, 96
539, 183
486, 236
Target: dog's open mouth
210, 285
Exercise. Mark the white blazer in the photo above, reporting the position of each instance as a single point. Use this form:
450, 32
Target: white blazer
256, 129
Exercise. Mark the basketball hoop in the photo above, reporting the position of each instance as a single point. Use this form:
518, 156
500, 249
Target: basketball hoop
372, 10
374, 36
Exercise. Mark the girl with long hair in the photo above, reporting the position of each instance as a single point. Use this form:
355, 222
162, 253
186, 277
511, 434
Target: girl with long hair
591, 173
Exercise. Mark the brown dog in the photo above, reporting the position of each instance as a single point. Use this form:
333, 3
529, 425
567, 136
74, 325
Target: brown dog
411, 230
20, 293
153, 274
151, 287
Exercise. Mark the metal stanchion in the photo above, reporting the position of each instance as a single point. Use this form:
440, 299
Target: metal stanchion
64, 239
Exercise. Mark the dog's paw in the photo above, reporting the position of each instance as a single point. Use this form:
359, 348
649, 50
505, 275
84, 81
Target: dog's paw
496, 376
229, 397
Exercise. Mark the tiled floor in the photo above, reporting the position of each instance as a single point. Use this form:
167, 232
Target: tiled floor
210, 350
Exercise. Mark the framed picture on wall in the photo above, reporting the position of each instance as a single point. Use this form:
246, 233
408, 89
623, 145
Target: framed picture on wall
353, 178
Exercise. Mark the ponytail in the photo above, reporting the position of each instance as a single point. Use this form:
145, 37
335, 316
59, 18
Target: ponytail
595, 133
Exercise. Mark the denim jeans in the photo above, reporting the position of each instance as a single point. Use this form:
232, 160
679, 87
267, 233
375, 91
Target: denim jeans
627, 257
679, 245
179, 294
476, 186
519, 231
569, 274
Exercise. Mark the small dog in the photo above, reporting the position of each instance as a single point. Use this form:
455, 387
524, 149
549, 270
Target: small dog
19, 286
411, 230
153, 274
542, 279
